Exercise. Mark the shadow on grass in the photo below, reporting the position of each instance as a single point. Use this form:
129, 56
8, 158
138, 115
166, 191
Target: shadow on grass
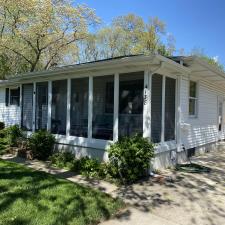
33, 197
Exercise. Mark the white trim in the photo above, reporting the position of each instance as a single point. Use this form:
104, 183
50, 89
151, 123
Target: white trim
49, 105
34, 106
68, 107
163, 109
21, 101
195, 115
146, 103
90, 107
178, 114
116, 108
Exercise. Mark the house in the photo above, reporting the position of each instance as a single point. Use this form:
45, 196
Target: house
176, 102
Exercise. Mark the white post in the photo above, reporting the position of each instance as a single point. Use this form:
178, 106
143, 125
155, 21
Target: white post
21, 104
146, 104
49, 105
163, 109
68, 107
34, 107
116, 108
90, 107
178, 113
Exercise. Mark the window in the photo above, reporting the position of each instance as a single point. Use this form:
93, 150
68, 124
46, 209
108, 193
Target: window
131, 104
41, 115
193, 100
59, 107
103, 102
15, 96
27, 106
79, 107
7, 97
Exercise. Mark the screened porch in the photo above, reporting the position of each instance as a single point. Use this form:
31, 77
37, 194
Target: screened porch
93, 111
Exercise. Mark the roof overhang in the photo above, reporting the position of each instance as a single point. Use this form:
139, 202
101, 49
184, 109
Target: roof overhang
200, 69
124, 62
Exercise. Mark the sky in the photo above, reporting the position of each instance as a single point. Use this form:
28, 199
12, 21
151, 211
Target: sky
193, 23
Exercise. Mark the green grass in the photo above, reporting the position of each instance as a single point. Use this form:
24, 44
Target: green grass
33, 197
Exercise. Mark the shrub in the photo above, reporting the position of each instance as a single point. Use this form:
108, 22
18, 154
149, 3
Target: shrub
130, 158
41, 144
14, 133
85, 165
2, 125
62, 159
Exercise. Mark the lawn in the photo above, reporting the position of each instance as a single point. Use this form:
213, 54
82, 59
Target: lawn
33, 197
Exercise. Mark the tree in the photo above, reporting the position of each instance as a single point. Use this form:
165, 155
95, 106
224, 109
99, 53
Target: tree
42, 34
210, 60
127, 35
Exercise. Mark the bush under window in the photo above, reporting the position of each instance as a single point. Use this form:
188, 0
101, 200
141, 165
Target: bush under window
41, 144
130, 157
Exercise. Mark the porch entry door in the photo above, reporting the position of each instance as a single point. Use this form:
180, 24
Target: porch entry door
220, 118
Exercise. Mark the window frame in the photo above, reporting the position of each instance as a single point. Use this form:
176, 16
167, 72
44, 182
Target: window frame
195, 115
10, 96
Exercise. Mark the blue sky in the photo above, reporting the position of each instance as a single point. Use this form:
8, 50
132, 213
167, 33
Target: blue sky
194, 23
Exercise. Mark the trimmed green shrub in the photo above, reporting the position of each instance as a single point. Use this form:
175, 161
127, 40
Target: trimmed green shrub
14, 133
129, 158
41, 144
2, 125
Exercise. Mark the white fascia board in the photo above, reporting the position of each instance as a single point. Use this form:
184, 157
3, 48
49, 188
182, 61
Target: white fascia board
140, 60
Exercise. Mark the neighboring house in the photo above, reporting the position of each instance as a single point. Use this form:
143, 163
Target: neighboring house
176, 102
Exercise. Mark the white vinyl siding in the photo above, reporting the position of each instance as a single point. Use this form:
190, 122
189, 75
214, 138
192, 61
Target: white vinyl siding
203, 129
10, 115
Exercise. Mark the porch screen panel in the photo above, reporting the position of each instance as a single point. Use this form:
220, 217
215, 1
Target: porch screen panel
156, 108
79, 107
103, 102
131, 87
170, 101
41, 115
59, 107
27, 106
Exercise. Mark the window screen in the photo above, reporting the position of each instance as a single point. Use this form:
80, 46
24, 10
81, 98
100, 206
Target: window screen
59, 107
156, 108
27, 106
41, 115
103, 101
170, 99
79, 107
131, 103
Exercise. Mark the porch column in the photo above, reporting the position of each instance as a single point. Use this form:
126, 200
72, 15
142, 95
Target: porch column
34, 107
68, 107
163, 109
49, 105
147, 105
21, 102
116, 108
90, 107
178, 112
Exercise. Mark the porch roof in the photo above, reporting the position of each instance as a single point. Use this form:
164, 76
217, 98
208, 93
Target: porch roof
131, 61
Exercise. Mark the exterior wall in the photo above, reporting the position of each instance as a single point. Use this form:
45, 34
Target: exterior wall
10, 115
203, 129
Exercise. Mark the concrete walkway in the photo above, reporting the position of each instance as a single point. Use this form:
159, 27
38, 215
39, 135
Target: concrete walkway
187, 199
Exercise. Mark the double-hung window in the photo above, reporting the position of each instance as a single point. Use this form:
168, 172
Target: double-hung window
193, 99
